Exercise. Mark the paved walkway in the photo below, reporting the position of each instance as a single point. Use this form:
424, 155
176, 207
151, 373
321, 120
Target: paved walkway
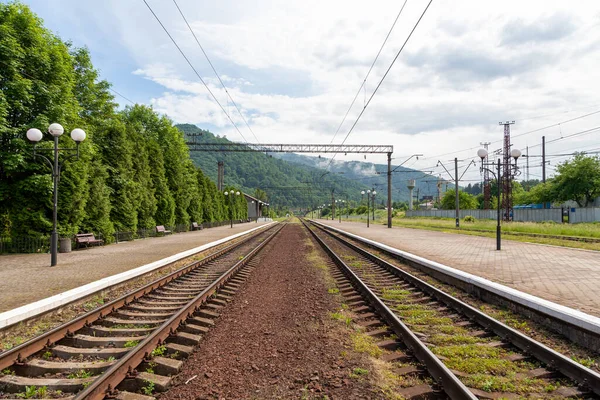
25, 278
565, 276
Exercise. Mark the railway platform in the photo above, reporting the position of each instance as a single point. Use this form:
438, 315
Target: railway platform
26, 278
569, 277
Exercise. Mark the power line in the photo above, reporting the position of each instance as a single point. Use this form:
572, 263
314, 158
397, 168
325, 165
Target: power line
119, 94
521, 134
384, 76
194, 69
214, 70
369, 72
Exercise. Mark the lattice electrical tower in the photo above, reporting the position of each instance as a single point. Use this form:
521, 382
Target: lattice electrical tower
507, 173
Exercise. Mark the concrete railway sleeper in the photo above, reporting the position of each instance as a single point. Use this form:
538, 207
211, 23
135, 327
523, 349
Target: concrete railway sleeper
100, 354
490, 358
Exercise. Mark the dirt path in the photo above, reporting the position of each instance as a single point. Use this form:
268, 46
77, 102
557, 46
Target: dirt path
277, 340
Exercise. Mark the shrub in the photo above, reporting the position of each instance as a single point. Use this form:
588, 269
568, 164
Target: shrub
469, 218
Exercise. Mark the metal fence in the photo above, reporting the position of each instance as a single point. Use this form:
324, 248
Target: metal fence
578, 215
24, 244
575, 215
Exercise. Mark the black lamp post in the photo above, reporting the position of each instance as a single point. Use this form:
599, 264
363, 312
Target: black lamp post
56, 130
373, 193
368, 207
230, 194
482, 153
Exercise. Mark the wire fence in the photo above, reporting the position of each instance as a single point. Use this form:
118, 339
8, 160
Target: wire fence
41, 244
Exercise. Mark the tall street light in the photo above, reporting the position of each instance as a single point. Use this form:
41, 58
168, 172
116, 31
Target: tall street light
368, 208
230, 194
482, 153
56, 130
373, 193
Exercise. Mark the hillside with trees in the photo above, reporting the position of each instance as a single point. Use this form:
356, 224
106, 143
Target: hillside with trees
287, 185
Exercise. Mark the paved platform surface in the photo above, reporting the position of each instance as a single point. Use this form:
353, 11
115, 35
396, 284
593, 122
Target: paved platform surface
569, 277
25, 278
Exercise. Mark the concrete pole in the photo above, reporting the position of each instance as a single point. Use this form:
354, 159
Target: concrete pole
456, 191
389, 182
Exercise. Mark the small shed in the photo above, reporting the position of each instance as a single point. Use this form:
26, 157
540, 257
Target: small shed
255, 206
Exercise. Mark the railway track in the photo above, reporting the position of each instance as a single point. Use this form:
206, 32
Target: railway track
129, 348
461, 352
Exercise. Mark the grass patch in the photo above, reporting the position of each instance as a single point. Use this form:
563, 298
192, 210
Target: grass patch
131, 343
333, 290
510, 383
365, 344
359, 373
342, 317
82, 374
395, 294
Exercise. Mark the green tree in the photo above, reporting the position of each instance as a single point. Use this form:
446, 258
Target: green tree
466, 201
578, 179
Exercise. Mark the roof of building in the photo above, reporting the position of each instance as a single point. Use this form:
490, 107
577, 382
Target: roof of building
254, 199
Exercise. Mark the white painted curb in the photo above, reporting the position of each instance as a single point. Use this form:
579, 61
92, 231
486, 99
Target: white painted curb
30, 310
563, 313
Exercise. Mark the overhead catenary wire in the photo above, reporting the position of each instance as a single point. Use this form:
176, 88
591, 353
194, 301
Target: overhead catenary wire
215, 71
383, 77
363, 84
195, 71
521, 134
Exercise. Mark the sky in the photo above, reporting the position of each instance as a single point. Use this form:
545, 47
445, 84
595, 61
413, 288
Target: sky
293, 68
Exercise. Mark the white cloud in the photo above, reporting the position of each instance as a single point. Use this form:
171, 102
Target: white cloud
469, 65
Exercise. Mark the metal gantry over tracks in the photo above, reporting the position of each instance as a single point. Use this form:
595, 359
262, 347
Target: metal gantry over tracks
194, 145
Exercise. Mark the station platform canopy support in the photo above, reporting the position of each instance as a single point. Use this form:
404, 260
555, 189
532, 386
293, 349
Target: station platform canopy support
195, 145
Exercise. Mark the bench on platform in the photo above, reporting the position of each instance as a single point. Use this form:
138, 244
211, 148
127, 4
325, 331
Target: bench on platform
160, 230
87, 240
196, 226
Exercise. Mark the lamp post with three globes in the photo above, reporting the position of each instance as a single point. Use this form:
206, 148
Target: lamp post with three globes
515, 154
55, 130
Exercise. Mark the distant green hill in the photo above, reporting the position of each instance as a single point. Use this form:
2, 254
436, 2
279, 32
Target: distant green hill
374, 175
294, 180
286, 184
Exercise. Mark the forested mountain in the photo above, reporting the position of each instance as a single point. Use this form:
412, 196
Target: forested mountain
374, 175
286, 184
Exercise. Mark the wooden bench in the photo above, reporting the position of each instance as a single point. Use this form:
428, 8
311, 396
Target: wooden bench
87, 240
160, 229
196, 226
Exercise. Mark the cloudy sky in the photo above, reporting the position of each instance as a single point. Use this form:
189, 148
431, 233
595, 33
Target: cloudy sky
294, 66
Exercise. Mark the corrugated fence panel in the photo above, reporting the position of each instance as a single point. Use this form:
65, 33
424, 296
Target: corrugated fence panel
578, 215
538, 215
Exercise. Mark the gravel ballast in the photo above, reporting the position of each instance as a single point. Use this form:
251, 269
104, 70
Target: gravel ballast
276, 339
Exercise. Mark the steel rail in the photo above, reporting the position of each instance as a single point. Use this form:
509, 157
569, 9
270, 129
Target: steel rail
553, 359
106, 383
19, 353
449, 382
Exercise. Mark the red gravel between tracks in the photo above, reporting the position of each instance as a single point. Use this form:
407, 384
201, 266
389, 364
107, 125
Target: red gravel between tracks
276, 339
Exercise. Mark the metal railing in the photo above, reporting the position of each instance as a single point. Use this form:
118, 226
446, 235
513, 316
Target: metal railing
41, 244
24, 244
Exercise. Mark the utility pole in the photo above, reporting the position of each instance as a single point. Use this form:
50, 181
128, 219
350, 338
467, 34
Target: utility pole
439, 189
527, 157
507, 173
389, 185
544, 162
486, 180
220, 175
456, 191
544, 159
332, 205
